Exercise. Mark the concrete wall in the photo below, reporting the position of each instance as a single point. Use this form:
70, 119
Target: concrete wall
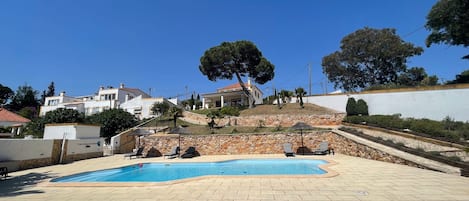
84, 146
71, 131
20, 149
432, 103
19, 154
123, 142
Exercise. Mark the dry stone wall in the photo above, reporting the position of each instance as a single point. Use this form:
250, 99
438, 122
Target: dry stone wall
76, 157
271, 143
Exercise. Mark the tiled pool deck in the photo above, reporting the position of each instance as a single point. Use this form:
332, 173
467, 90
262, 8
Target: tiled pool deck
357, 179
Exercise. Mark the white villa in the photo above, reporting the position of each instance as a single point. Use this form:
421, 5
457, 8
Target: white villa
134, 101
232, 95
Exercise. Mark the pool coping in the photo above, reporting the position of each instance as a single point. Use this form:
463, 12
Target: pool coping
326, 167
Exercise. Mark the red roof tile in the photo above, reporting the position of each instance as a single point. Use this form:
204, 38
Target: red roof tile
232, 87
8, 116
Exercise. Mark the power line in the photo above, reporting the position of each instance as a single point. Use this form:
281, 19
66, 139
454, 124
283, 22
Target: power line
412, 32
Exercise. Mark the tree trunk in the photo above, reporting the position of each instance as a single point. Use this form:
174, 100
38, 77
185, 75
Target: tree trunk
246, 91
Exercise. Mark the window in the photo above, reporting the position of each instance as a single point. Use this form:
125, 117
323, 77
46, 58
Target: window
53, 102
108, 97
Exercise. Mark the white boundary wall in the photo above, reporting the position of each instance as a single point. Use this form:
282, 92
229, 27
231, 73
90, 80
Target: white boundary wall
85, 146
430, 104
20, 149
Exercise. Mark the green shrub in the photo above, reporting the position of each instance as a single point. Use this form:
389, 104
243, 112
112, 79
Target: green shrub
5, 130
229, 111
454, 158
466, 149
354, 119
361, 108
351, 107
277, 128
400, 144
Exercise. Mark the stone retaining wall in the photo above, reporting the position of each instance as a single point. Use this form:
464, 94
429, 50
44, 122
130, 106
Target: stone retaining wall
76, 157
34, 163
268, 120
265, 144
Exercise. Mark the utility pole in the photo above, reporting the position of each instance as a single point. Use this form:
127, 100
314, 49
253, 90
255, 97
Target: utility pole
309, 67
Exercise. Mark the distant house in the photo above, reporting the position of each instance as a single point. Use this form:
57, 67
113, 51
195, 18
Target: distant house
141, 107
11, 120
132, 100
232, 95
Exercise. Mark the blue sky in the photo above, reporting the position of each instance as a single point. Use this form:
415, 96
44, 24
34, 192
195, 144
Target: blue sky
81, 45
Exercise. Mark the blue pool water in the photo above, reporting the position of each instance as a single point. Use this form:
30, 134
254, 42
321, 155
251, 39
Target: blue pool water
159, 172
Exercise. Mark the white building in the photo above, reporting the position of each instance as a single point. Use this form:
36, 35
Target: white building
71, 131
134, 101
232, 95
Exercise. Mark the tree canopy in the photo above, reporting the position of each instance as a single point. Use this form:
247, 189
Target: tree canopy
5, 94
368, 57
460, 78
50, 92
412, 77
160, 108
239, 59
448, 21
63, 115
60, 115
113, 121
25, 96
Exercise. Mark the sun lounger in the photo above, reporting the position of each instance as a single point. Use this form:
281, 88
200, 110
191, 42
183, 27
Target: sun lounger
323, 149
287, 149
173, 154
189, 153
4, 171
135, 154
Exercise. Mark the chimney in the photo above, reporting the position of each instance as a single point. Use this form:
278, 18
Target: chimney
121, 85
62, 93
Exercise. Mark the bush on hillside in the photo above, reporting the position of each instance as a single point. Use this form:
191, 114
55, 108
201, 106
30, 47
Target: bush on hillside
436, 129
351, 107
229, 111
361, 107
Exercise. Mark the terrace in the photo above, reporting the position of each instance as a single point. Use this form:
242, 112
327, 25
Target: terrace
357, 179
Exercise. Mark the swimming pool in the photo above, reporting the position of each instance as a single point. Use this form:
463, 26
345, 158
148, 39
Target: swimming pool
161, 172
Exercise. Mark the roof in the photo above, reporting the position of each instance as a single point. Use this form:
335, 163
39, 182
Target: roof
136, 92
7, 116
233, 87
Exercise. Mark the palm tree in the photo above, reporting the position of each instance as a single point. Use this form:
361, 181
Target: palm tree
175, 112
300, 92
286, 95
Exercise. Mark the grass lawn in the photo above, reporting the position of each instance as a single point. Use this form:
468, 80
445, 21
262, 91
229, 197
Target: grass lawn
289, 109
